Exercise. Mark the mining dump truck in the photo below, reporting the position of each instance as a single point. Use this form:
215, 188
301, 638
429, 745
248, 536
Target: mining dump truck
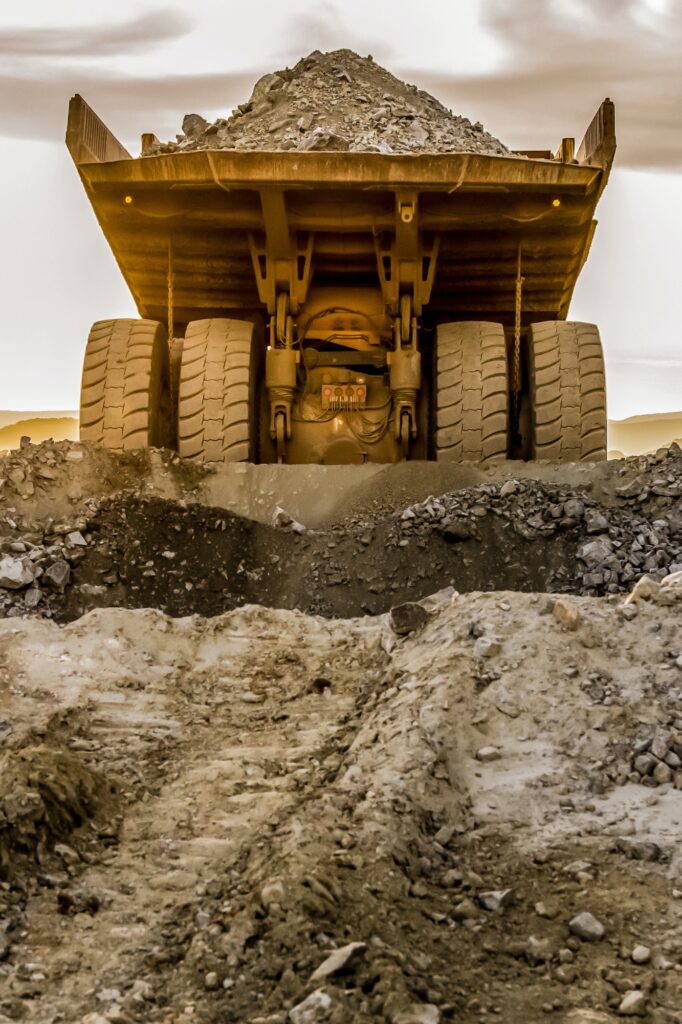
343, 307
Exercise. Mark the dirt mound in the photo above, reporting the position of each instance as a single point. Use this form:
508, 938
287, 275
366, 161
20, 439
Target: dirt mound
334, 823
336, 101
58, 480
137, 550
184, 560
46, 794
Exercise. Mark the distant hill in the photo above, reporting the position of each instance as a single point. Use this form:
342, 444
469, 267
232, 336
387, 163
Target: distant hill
633, 436
58, 426
8, 416
639, 434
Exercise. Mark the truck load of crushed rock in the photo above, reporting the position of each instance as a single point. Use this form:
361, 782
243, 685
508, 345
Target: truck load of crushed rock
336, 101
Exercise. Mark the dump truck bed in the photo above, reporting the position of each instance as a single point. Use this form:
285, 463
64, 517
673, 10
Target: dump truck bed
199, 213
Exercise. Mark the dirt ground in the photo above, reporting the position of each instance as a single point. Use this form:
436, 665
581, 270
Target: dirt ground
270, 815
146, 531
153, 553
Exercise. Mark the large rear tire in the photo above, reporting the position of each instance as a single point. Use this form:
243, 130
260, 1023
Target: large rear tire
125, 389
568, 392
471, 392
218, 408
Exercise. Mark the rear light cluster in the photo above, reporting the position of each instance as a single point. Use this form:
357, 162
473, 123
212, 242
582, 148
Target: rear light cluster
344, 396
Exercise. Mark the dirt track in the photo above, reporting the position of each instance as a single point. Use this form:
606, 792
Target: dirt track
196, 812
287, 785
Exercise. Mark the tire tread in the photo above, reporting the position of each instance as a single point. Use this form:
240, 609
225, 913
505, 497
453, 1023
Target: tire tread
217, 391
471, 393
124, 373
568, 391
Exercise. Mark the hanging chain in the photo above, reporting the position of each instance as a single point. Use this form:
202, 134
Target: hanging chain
516, 365
169, 281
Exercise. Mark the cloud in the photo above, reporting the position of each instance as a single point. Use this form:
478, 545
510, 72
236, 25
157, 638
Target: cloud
318, 29
41, 72
42, 69
105, 40
325, 28
35, 91
561, 60
33, 107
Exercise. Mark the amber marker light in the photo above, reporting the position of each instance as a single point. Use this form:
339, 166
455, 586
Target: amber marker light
556, 202
128, 200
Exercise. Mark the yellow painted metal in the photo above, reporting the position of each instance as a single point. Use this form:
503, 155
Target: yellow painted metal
230, 210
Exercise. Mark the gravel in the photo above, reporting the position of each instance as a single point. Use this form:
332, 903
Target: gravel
339, 961
633, 1004
622, 544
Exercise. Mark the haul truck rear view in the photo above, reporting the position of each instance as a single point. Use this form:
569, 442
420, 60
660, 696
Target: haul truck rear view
346, 307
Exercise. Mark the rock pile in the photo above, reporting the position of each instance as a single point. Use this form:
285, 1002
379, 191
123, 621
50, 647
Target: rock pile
131, 549
658, 758
38, 553
617, 545
659, 476
336, 101
507, 534
36, 567
33, 469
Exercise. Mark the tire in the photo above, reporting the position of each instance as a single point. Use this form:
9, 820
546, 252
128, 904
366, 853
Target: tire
125, 388
471, 393
175, 356
218, 411
568, 392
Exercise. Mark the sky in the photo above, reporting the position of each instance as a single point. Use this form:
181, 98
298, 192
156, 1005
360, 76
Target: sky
532, 71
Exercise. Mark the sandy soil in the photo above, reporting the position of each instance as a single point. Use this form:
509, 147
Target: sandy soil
252, 791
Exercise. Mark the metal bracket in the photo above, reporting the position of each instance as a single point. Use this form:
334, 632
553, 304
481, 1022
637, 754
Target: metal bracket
280, 264
404, 263
87, 137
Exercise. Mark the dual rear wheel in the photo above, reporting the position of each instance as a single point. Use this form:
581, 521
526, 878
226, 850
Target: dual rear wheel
200, 395
204, 395
567, 386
